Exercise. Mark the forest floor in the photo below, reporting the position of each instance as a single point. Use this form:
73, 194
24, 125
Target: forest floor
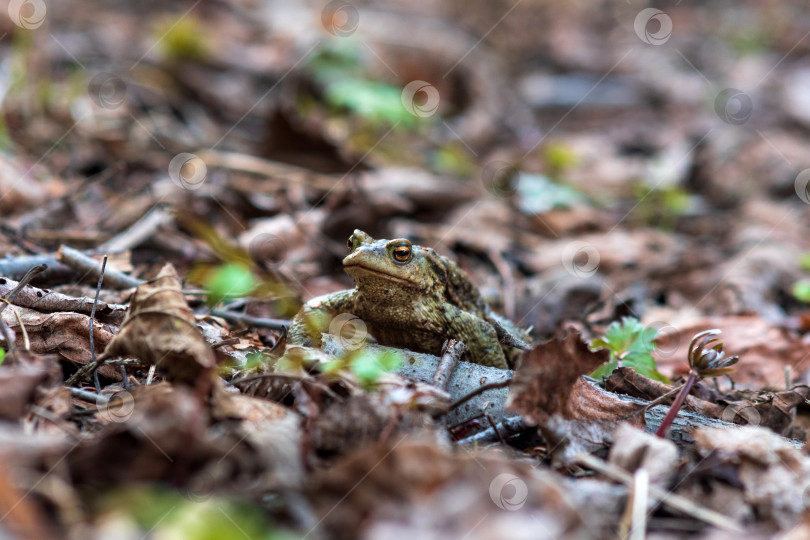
178, 178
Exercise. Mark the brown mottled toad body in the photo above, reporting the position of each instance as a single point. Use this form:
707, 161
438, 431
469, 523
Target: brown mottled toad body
411, 297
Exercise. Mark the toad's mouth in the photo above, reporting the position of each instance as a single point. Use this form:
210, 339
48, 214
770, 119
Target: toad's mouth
371, 272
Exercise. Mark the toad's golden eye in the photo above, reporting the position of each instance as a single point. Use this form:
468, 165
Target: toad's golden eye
350, 242
402, 252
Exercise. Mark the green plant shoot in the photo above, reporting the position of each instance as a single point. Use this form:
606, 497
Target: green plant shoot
630, 344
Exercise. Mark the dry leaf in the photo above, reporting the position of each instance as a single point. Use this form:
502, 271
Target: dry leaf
17, 386
772, 475
548, 390
764, 349
50, 301
634, 449
269, 440
337, 424
412, 488
160, 329
66, 334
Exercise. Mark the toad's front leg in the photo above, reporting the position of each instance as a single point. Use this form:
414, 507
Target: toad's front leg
316, 315
477, 334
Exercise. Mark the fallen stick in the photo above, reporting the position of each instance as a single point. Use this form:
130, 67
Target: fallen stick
16, 267
261, 322
672, 500
139, 232
451, 354
506, 428
92, 268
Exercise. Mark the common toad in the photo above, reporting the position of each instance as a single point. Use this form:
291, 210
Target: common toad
411, 297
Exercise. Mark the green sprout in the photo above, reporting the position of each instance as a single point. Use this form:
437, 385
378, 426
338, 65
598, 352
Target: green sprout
661, 206
348, 85
559, 158
193, 515
368, 365
804, 262
182, 39
231, 280
630, 344
801, 291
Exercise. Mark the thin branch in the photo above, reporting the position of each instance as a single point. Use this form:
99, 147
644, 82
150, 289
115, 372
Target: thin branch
250, 378
480, 390
451, 354
22, 284
93, 321
95, 362
89, 266
670, 499
261, 322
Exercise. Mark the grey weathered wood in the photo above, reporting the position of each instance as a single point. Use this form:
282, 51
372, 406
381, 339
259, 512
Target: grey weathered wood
463, 380
467, 377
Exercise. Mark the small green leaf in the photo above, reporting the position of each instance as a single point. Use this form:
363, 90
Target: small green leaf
377, 102
255, 359
183, 39
333, 366
2, 356
644, 363
599, 343
801, 291
559, 158
631, 343
605, 369
369, 365
620, 336
231, 280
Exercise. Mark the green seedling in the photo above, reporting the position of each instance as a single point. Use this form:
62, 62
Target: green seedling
630, 344
801, 291
228, 281
366, 364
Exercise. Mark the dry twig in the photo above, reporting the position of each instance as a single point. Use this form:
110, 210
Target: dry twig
672, 500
